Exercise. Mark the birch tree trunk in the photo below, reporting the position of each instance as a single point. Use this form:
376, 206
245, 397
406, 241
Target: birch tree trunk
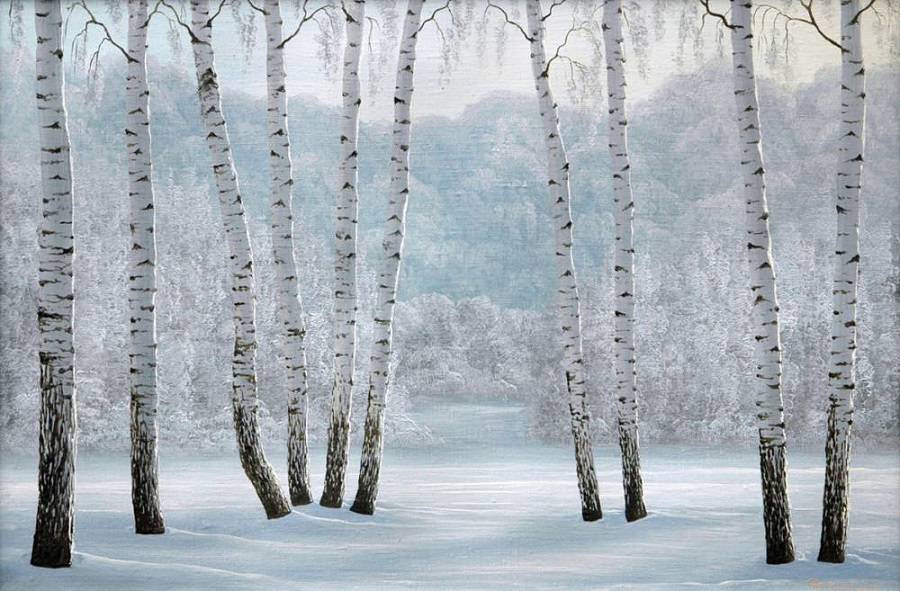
290, 310
345, 305
842, 364
764, 309
148, 518
567, 288
389, 274
623, 263
245, 402
54, 526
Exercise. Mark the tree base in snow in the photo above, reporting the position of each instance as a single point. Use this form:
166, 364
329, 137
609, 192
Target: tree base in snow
301, 498
635, 512
363, 507
832, 554
150, 525
331, 500
776, 505
47, 554
592, 515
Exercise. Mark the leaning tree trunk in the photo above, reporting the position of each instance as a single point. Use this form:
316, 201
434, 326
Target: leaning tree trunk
141, 281
290, 312
623, 264
567, 288
245, 401
389, 275
841, 369
764, 311
345, 265
54, 527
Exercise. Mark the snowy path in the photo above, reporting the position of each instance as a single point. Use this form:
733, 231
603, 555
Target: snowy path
464, 518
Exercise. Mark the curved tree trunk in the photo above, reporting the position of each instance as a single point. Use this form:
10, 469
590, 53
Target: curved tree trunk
842, 364
290, 310
567, 288
764, 314
389, 275
345, 265
244, 402
141, 282
54, 527
626, 383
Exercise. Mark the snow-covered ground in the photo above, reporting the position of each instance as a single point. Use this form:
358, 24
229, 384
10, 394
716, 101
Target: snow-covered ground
459, 515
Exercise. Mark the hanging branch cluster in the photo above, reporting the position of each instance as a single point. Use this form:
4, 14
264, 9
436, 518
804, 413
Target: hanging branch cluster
82, 35
451, 33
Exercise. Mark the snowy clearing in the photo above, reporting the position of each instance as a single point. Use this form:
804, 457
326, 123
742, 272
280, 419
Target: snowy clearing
460, 517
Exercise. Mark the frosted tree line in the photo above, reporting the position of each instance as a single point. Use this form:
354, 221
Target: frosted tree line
57, 247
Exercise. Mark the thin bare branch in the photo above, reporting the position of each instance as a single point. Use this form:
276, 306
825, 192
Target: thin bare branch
433, 16
713, 13
184, 25
307, 16
855, 18
508, 20
218, 11
92, 20
257, 8
552, 6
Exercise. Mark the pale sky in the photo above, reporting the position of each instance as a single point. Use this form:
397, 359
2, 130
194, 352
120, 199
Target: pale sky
478, 71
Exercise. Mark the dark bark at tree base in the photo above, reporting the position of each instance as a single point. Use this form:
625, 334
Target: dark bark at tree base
592, 515
336, 465
836, 499
776, 505
148, 518
631, 476
301, 498
51, 553
363, 506
256, 466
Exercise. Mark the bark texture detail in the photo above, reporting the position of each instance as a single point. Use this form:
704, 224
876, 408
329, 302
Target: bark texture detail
389, 274
55, 521
290, 309
764, 307
345, 305
567, 288
245, 401
623, 264
842, 361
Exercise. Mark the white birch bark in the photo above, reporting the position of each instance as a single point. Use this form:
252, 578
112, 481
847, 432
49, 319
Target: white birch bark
54, 526
245, 401
290, 309
389, 274
148, 518
623, 263
842, 362
567, 289
764, 308
345, 305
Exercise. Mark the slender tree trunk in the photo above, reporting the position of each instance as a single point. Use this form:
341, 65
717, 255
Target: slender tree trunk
764, 315
290, 310
626, 383
345, 265
245, 401
567, 287
54, 527
389, 275
842, 365
141, 282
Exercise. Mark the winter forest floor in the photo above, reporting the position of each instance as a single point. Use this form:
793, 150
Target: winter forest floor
459, 515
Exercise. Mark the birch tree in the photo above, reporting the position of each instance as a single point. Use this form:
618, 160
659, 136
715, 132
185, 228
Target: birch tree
623, 263
767, 362
54, 526
389, 273
842, 353
148, 517
245, 400
345, 304
290, 311
568, 304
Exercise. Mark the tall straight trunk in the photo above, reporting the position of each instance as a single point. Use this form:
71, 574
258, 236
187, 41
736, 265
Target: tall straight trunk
345, 305
290, 310
148, 518
54, 527
389, 275
842, 364
764, 308
567, 287
245, 401
623, 264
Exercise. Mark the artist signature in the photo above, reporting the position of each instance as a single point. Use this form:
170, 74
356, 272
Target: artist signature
843, 585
